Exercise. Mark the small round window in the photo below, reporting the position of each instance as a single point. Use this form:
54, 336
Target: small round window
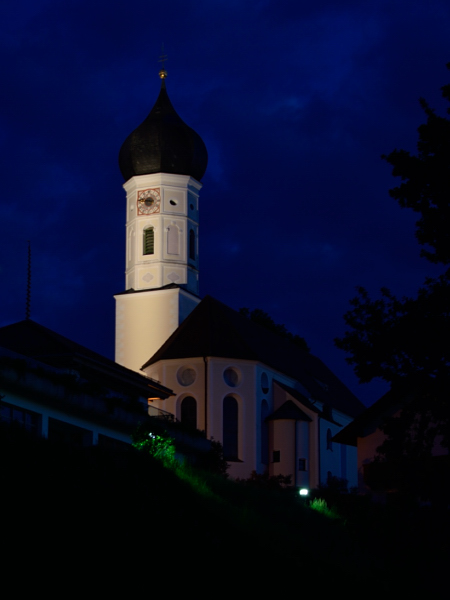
264, 383
231, 377
186, 376
173, 202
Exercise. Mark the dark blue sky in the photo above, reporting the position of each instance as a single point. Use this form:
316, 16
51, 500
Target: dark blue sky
295, 102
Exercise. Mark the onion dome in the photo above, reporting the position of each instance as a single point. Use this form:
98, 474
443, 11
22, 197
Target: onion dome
163, 143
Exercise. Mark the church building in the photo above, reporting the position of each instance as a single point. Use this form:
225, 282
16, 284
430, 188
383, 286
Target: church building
273, 405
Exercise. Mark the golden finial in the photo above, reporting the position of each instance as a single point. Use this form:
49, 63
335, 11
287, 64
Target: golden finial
162, 59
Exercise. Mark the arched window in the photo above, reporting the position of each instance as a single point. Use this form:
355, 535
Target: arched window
173, 240
189, 412
329, 442
264, 433
264, 383
230, 428
192, 244
149, 241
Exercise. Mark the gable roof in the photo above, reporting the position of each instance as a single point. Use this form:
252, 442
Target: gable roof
213, 329
297, 395
325, 413
371, 419
289, 411
36, 341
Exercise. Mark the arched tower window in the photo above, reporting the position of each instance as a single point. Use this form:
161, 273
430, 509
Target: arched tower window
264, 433
192, 244
173, 240
230, 428
149, 241
189, 412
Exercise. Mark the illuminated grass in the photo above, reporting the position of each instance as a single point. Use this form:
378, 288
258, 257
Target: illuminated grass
162, 447
320, 505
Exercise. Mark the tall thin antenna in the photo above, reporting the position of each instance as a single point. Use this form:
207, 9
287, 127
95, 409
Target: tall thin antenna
162, 59
28, 305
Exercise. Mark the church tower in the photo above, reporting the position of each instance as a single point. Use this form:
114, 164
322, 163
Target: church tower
162, 162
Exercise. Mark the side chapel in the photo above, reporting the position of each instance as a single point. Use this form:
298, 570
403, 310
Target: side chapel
271, 404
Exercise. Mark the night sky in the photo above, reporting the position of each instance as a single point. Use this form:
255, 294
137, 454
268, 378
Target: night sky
295, 101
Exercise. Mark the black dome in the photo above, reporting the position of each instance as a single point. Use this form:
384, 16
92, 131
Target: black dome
163, 143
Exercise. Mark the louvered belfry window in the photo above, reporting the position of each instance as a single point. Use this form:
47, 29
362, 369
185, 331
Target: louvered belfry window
149, 241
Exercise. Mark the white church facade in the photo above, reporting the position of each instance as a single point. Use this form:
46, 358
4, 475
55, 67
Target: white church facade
273, 405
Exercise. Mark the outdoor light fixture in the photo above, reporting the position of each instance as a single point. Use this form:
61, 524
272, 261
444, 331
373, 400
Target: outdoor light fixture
303, 491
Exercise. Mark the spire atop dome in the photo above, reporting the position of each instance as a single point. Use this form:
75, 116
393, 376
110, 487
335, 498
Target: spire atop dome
162, 59
163, 143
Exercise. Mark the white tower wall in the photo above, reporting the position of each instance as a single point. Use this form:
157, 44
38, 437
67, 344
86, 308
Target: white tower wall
150, 311
174, 220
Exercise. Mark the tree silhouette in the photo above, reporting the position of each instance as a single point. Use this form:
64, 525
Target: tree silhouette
406, 341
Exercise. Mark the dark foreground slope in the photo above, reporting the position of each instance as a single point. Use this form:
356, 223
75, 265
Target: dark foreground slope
91, 515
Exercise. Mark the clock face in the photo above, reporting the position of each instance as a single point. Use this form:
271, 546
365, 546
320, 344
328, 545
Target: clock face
149, 201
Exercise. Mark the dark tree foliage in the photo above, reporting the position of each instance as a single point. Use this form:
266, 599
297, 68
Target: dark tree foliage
401, 341
406, 341
262, 318
425, 183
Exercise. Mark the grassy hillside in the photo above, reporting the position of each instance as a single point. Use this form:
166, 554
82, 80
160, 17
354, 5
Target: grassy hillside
88, 510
